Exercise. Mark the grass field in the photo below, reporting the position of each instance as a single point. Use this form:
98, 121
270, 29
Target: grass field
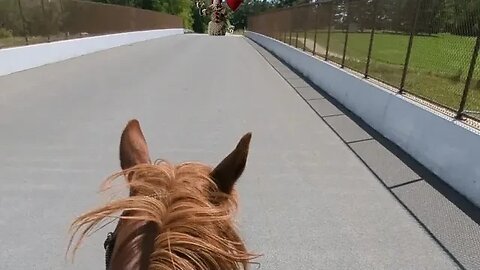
15, 41
438, 64
11, 42
20, 41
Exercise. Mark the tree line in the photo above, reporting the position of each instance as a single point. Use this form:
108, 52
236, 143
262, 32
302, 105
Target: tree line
191, 17
460, 17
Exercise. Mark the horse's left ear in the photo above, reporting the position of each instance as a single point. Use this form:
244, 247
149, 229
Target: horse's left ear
133, 146
231, 168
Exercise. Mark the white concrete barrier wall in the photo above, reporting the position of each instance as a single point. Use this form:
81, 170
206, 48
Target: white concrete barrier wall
26, 57
447, 147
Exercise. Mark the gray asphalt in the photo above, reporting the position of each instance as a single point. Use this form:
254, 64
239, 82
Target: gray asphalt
307, 202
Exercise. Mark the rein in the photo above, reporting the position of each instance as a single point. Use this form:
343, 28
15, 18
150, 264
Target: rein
109, 244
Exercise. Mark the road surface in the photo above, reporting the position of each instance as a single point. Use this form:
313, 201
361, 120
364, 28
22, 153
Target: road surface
306, 201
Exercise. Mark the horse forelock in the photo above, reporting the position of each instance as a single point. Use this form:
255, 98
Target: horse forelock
194, 220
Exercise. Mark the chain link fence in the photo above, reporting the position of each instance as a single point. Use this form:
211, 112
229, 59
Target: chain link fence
25, 22
427, 49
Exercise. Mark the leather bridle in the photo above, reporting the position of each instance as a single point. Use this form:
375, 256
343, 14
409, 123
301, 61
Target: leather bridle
109, 244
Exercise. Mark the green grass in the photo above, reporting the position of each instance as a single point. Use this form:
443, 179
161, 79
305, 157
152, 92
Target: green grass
15, 41
7, 42
438, 64
20, 41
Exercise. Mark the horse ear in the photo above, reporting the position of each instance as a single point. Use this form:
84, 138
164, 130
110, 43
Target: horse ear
231, 168
133, 147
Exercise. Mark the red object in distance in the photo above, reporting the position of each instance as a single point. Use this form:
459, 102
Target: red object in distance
234, 4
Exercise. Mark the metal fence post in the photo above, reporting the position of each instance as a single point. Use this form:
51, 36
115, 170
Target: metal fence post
346, 34
46, 23
296, 39
296, 26
62, 12
305, 40
291, 30
410, 44
471, 69
372, 35
305, 34
329, 30
316, 29
24, 23
279, 31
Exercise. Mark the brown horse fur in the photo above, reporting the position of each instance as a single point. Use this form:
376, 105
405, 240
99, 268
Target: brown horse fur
176, 217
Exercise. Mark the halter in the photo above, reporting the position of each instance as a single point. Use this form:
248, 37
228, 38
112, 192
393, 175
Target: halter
109, 244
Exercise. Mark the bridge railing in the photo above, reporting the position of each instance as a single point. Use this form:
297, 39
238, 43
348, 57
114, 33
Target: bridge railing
25, 22
423, 48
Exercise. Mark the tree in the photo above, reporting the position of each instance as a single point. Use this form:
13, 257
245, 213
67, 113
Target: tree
199, 24
10, 20
239, 18
290, 3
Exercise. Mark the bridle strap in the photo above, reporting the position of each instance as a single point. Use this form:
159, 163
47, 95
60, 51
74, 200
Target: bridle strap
109, 244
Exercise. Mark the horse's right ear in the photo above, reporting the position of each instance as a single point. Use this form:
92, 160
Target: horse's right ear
133, 147
231, 168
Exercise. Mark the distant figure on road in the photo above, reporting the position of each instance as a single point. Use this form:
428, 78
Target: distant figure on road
218, 12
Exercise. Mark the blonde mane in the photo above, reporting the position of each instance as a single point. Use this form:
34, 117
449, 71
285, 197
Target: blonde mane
194, 219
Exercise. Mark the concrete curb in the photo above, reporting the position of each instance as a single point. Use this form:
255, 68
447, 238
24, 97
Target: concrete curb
445, 146
26, 57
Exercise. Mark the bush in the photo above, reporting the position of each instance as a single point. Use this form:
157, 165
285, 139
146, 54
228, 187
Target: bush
457, 77
5, 33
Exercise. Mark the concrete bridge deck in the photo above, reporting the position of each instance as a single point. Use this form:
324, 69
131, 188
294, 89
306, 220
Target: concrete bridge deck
319, 191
